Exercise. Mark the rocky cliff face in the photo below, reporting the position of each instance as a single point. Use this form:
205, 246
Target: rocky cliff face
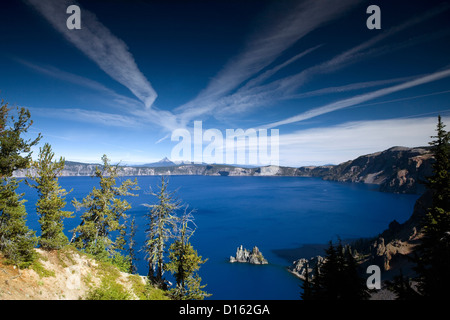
299, 266
392, 249
246, 256
397, 169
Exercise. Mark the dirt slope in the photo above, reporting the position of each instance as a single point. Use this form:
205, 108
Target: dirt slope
61, 274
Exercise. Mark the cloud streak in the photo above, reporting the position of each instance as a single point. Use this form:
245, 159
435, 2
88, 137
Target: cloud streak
132, 116
340, 143
89, 116
345, 103
346, 88
223, 97
110, 53
242, 84
263, 50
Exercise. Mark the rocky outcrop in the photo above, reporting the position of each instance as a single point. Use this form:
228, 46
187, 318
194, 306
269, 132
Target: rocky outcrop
246, 256
388, 255
397, 169
393, 248
299, 266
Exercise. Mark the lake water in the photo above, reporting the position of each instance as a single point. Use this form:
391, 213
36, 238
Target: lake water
273, 213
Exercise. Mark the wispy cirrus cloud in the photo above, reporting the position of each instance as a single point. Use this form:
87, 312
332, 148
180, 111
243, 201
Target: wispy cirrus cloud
263, 50
89, 116
131, 115
345, 103
337, 144
65, 76
242, 84
110, 53
363, 51
346, 88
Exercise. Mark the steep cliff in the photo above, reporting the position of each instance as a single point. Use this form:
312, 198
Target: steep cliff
397, 169
393, 247
391, 250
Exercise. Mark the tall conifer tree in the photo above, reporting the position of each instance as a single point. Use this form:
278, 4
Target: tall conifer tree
51, 200
306, 285
105, 213
433, 254
338, 278
131, 246
161, 228
16, 240
184, 263
15, 151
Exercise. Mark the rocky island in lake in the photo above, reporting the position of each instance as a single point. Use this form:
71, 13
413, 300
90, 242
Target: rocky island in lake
243, 255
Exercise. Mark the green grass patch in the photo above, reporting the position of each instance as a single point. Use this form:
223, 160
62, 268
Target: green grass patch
40, 270
108, 290
145, 291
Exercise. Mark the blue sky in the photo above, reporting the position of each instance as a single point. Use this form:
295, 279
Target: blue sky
138, 70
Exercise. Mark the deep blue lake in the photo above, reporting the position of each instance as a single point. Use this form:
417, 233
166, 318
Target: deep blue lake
273, 213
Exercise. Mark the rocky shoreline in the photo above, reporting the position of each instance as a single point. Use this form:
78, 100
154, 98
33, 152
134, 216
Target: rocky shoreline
397, 170
391, 250
298, 267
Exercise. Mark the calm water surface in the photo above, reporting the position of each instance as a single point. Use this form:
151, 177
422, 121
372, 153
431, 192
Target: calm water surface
272, 213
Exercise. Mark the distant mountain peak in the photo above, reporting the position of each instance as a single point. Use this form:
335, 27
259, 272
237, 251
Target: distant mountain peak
164, 162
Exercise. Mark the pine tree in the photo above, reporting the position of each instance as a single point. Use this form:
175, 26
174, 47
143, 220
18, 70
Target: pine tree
16, 240
184, 264
353, 286
307, 293
194, 288
51, 199
131, 245
329, 276
433, 254
317, 285
338, 278
161, 226
401, 286
105, 213
439, 182
15, 150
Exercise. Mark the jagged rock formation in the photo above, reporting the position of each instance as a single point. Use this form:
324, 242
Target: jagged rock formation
387, 255
298, 267
392, 249
246, 256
